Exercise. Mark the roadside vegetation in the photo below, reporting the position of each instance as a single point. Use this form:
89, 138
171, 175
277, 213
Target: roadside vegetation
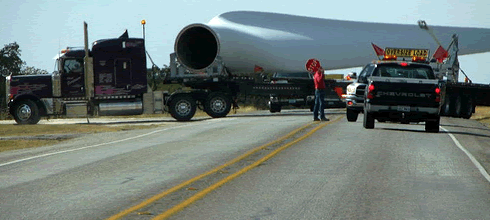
14, 137
482, 115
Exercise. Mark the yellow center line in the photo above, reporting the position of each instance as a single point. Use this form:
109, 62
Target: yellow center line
202, 193
180, 186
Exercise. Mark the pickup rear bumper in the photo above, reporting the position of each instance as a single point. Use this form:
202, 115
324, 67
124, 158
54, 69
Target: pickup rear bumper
402, 109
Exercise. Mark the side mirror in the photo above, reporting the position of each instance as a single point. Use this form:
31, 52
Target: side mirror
353, 75
439, 76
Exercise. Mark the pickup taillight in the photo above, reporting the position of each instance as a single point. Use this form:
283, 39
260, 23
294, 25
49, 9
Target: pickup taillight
370, 91
438, 94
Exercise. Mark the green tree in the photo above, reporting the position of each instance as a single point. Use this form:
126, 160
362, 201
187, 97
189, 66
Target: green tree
156, 76
30, 70
10, 62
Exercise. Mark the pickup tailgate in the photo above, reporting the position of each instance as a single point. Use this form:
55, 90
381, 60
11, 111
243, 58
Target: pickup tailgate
404, 92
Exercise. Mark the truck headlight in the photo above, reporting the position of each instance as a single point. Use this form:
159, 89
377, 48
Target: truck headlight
351, 89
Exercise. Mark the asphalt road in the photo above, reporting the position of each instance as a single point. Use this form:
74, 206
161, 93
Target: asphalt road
341, 171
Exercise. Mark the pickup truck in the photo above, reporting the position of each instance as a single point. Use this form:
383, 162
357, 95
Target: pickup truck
396, 91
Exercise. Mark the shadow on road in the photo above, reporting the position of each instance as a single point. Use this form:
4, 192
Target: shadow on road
283, 114
440, 132
143, 121
470, 127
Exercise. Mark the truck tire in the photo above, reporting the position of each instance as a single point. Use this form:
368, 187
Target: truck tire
368, 122
467, 108
26, 112
458, 105
432, 125
351, 115
274, 108
217, 105
447, 107
452, 106
182, 107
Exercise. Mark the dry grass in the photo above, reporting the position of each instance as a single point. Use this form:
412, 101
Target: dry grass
42, 129
482, 114
47, 129
6, 145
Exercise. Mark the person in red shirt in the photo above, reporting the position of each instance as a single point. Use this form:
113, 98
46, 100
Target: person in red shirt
319, 108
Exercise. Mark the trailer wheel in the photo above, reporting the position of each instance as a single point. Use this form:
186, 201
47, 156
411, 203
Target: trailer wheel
368, 120
182, 107
26, 112
274, 108
448, 105
217, 105
457, 106
432, 125
352, 115
467, 109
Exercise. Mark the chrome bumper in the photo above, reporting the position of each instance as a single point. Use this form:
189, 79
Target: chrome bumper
352, 101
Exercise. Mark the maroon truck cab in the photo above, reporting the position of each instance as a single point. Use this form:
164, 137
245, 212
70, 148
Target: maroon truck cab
119, 82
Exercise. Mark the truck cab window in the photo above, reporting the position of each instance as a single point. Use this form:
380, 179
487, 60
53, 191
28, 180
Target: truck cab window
73, 66
365, 73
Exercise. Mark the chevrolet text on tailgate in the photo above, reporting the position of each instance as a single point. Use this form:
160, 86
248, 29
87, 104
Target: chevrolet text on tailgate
396, 91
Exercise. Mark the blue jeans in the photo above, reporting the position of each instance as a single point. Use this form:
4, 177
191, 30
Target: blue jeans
319, 103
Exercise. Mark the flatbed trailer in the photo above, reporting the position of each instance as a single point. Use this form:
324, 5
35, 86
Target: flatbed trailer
215, 90
460, 99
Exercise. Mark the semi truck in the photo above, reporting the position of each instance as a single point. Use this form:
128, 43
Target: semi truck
111, 79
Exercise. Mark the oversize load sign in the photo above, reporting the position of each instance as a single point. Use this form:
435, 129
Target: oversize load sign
404, 52
312, 65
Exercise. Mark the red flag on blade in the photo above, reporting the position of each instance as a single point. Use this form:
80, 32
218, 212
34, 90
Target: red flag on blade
378, 50
440, 54
258, 69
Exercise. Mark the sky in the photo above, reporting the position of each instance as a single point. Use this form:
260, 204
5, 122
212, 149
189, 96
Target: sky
43, 27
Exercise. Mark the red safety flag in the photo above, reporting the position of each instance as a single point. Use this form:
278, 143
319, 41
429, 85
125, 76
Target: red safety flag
258, 69
378, 50
440, 54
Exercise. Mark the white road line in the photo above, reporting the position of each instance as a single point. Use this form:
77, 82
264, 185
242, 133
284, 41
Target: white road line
98, 145
472, 158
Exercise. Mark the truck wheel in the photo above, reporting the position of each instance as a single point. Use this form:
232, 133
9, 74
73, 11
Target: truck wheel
274, 108
26, 112
452, 106
182, 107
217, 105
351, 115
467, 109
457, 106
432, 125
448, 105
368, 120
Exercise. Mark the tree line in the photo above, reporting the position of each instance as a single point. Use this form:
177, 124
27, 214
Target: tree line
12, 64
